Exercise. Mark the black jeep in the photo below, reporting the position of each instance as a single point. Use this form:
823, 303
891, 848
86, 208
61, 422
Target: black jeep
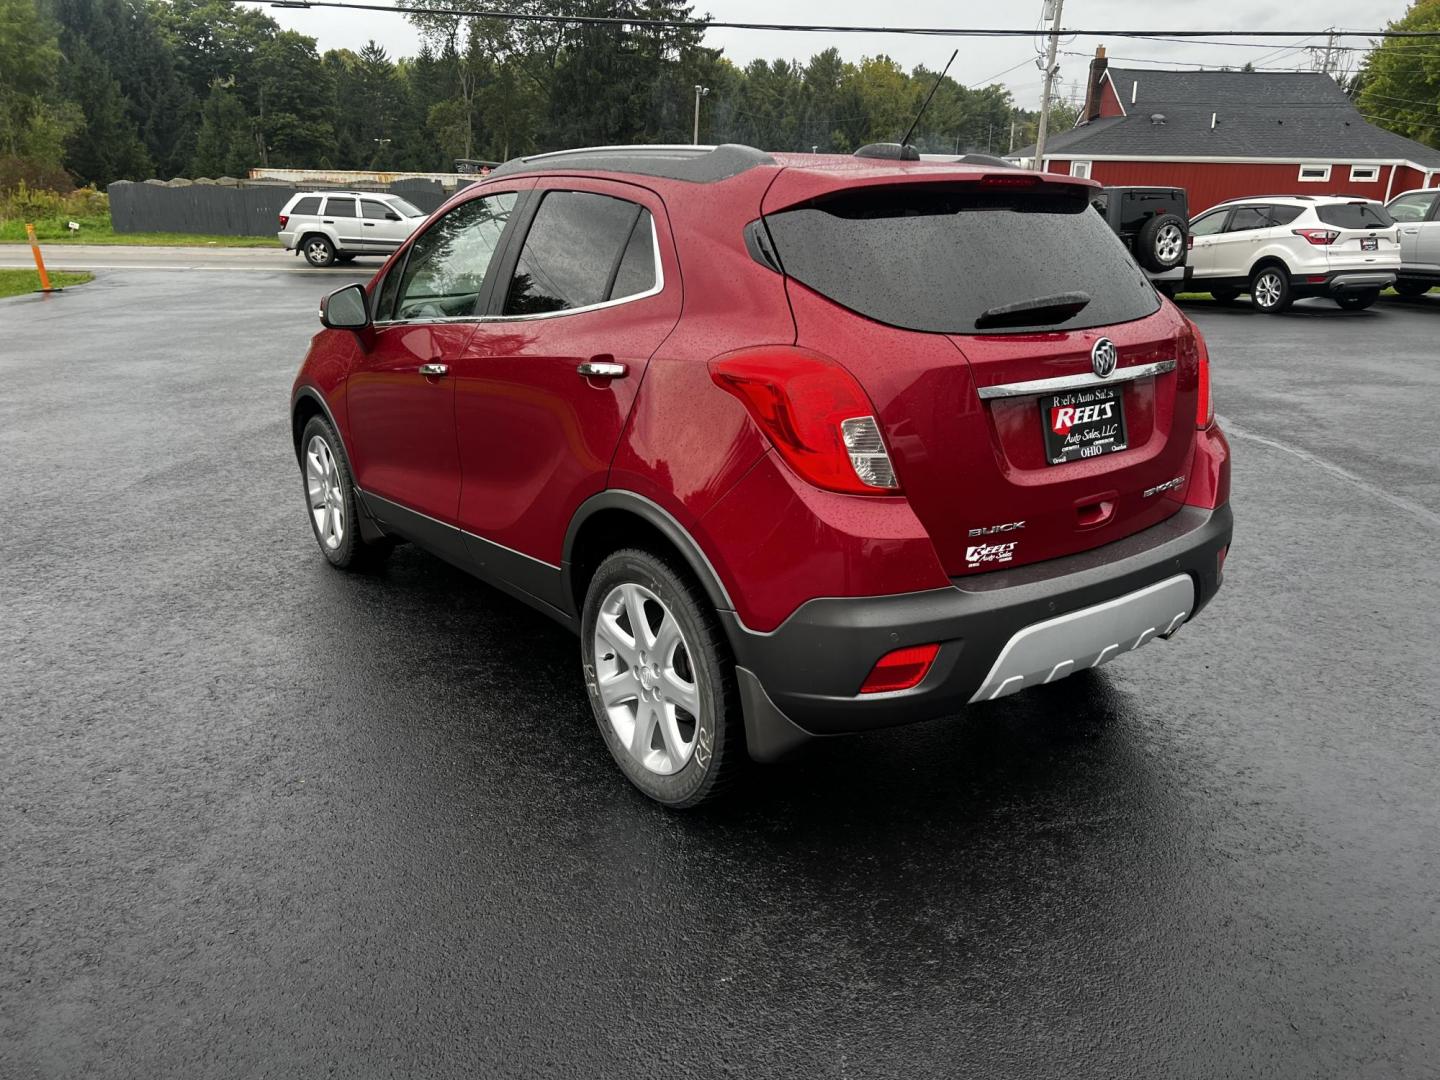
1153, 222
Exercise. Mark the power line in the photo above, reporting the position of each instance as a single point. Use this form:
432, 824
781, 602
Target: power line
809, 28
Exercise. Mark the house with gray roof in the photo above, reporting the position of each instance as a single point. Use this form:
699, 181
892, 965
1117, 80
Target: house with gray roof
1228, 134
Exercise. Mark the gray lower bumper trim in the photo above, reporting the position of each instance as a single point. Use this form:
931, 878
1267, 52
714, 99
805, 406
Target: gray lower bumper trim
1050, 650
1370, 279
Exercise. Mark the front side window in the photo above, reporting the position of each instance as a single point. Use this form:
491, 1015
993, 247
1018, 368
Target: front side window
446, 267
339, 207
1209, 224
371, 210
573, 253
1413, 207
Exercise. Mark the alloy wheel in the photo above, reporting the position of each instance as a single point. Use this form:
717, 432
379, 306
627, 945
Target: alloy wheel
327, 496
317, 252
1267, 289
1169, 244
645, 679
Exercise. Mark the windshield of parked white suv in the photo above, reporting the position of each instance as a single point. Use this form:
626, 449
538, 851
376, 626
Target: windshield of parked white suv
937, 257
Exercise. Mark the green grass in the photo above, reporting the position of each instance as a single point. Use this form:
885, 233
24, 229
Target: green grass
97, 230
16, 282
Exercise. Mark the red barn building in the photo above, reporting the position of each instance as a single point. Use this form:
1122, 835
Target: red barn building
1228, 134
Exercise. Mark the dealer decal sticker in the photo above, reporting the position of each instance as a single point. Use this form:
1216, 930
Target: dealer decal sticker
979, 554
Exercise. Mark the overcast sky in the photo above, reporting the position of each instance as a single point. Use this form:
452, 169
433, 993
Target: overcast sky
981, 61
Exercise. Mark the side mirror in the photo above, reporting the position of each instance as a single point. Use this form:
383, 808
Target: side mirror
346, 309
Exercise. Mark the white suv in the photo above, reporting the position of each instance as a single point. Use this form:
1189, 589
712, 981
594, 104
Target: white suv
1283, 248
335, 226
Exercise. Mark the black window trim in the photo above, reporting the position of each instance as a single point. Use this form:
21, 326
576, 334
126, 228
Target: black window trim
521, 211
496, 302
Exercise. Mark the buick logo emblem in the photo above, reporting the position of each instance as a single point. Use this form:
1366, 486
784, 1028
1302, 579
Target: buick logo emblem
1103, 358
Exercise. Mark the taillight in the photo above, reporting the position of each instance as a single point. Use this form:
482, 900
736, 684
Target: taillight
1019, 179
284, 220
814, 413
1204, 404
902, 669
1318, 237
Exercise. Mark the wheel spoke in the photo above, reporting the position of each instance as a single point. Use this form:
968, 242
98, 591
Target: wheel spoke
644, 731
666, 638
619, 687
675, 744
679, 692
608, 627
635, 608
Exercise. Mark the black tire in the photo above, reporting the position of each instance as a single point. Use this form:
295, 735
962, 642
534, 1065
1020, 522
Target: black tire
1225, 296
1270, 290
318, 250
351, 551
1160, 243
344, 259
716, 753
1358, 301
1412, 289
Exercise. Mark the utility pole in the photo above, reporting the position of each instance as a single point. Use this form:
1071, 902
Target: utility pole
700, 91
1050, 71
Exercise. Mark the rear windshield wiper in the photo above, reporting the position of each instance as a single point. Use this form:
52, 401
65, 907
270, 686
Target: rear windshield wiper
1040, 311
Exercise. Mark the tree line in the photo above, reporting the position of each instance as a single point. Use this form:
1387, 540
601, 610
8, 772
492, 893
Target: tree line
93, 91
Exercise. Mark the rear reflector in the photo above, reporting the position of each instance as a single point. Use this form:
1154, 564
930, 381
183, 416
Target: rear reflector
1316, 279
1204, 403
900, 670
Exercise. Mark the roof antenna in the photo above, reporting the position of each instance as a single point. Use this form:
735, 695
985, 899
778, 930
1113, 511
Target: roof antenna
905, 140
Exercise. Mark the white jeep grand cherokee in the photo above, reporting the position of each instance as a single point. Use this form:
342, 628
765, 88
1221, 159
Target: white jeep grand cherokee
334, 226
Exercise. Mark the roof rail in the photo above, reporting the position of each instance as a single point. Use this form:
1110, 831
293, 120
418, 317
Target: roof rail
698, 164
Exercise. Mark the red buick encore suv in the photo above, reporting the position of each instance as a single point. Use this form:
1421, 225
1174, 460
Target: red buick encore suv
798, 445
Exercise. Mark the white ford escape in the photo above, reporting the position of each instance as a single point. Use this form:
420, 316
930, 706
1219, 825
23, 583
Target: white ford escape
1283, 248
334, 226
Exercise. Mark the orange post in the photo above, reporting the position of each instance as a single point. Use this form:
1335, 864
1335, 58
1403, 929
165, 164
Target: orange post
39, 262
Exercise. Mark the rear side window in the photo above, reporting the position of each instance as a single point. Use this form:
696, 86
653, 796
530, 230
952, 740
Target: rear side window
1354, 216
308, 205
1284, 215
1263, 217
935, 257
339, 207
636, 273
572, 253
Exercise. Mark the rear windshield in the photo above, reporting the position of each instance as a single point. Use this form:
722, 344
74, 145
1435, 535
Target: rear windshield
936, 257
1355, 215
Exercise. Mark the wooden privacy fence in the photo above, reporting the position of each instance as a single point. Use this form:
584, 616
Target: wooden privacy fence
230, 209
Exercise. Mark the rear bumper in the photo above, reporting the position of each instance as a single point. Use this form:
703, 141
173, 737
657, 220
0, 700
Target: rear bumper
1342, 282
998, 633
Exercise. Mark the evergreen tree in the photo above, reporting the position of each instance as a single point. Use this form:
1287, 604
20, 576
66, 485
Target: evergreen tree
106, 146
225, 145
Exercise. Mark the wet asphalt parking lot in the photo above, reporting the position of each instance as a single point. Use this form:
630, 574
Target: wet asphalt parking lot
259, 818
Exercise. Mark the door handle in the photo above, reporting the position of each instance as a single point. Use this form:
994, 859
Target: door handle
434, 369
602, 369
1411, 232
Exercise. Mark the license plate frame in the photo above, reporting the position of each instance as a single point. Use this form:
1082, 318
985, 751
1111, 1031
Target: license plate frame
1369, 243
1095, 426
